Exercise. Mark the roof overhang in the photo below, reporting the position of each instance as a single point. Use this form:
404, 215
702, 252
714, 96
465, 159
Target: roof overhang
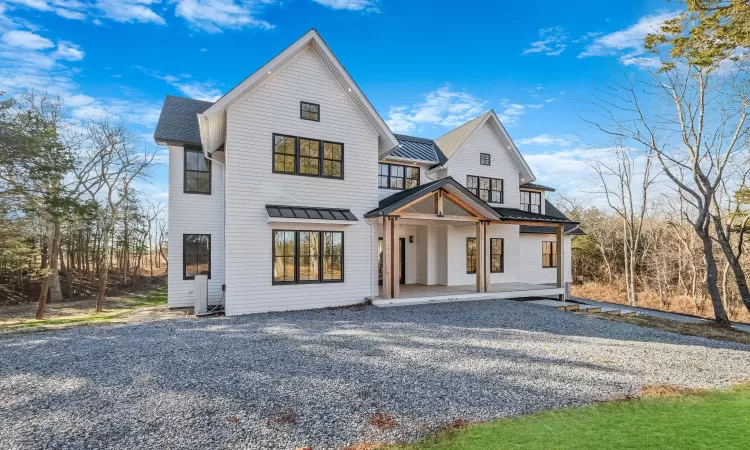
394, 203
310, 214
212, 122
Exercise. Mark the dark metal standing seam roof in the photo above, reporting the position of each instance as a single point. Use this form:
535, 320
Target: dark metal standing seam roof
178, 122
551, 210
540, 187
419, 149
309, 212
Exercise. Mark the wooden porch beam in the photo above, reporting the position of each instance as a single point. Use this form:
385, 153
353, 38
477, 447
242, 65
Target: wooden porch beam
433, 217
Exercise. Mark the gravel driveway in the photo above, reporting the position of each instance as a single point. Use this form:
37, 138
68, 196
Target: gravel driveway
317, 378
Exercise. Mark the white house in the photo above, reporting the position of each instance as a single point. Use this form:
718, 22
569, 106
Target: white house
291, 192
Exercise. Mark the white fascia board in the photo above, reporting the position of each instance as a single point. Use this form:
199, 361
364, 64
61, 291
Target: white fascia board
323, 221
409, 160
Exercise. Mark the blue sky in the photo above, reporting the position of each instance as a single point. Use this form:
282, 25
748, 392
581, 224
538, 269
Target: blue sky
427, 66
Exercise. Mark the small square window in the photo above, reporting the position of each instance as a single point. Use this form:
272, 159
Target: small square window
484, 159
309, 111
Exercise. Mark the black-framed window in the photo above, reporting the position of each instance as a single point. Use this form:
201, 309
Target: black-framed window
333, 256
197, 177
471, 255
196, 255
396, 176
549, 254
309, 111
531, 201
484, 159
497, 255
284, 256
308, 256
284, 154
333, 160
309, 157
488, 189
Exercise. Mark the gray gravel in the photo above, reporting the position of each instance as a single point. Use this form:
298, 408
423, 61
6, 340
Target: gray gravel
315, 378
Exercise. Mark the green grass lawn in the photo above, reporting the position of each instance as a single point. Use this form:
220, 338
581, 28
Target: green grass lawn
154, 298
710, 420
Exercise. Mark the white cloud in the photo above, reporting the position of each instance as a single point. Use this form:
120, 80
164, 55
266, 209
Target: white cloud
26, 39
546, 139
442, 107
194, 89
552, 42
627, 44
512, 112
127, 11
587, 37
68, 51
215, 15
350, 5
69, 9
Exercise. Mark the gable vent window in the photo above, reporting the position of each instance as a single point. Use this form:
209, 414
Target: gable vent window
484, 159
309, 111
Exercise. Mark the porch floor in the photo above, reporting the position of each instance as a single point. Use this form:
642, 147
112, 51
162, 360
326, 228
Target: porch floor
414, 294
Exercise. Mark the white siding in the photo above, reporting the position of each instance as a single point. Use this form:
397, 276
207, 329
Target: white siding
194, 214
274, 108
531, 259
466, 162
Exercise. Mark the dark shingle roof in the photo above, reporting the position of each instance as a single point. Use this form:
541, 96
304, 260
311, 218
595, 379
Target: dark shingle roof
552, 211
419, 149
537, 186
178, 122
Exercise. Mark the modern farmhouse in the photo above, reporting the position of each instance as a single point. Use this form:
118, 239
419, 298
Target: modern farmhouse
291, 192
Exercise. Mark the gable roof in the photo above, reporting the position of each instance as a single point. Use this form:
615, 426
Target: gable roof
418, 149
212, 121
402, 198
451, 142
178, 121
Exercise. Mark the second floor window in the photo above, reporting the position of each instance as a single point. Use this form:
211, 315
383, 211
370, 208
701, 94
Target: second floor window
488, 189
309, 157
531, 201
484, 159
197, 172
309, 111
395, 176
549, 254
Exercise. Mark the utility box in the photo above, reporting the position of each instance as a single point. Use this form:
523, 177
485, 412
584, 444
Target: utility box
201, 294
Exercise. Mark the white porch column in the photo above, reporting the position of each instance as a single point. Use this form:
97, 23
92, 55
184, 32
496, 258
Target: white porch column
487, 257
561, 259
396, 250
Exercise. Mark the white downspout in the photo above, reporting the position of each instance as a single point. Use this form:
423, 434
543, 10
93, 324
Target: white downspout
224, 218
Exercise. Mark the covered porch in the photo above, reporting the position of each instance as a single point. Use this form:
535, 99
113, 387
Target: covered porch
446, 212
416, 294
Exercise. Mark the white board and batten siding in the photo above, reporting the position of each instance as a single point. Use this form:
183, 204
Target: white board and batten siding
194, 214
466, 162
274, 107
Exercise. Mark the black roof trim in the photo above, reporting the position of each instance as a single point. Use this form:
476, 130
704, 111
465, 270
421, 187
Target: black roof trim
538, 229
539, 187
310, 213
399, 199
520, 214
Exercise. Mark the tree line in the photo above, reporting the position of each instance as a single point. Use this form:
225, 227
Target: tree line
69, 205
675, 181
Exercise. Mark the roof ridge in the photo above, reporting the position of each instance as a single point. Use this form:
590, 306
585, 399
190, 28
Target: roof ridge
452, 140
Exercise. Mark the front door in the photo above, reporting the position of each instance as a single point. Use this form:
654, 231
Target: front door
402, 262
